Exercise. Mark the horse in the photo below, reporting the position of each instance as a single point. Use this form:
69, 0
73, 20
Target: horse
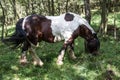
67, 27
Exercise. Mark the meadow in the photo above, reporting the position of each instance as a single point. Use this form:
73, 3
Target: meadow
105, 66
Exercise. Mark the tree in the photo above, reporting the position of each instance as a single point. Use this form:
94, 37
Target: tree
115, 3
11, 10
52, 2
13, 3
67, 5
87, 10
49, 7
3, 20
104, 13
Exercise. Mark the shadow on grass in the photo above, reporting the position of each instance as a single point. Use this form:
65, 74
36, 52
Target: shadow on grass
87, 67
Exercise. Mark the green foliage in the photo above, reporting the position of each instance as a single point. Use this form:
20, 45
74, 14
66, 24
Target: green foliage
86, 67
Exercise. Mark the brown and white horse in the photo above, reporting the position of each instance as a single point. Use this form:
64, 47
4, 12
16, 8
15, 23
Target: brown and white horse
35, 28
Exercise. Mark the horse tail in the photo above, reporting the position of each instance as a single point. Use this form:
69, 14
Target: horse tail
18, 37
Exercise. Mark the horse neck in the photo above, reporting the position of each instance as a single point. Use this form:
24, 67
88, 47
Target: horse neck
86, 33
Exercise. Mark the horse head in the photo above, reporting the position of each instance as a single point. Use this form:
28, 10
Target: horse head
92, 43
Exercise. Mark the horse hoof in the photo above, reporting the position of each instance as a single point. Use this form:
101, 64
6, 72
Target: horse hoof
59, 63
38, 63
23, 61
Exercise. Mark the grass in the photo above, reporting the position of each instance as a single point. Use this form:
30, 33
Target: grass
105, 66
87, 67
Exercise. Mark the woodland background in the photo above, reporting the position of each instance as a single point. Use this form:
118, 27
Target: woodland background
103, 16
12, 10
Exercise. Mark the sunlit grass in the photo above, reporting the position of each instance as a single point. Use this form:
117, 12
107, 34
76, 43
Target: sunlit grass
10, 29
96, 19
112, 17
86, 67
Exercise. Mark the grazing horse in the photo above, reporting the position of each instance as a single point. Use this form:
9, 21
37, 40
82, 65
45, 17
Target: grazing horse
68, 26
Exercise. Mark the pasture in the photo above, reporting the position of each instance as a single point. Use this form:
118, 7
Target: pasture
86, 67
105, 66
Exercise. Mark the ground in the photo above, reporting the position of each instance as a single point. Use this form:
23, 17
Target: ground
86, 67
105, 66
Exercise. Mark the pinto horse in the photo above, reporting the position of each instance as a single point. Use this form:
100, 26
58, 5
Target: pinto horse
68, 26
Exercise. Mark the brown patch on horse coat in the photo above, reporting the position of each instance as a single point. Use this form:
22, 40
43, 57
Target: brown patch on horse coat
69, 17
47, 31
82, 31
41, 29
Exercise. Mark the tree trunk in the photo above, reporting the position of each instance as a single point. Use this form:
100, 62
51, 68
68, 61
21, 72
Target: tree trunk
49, 7
13, 3
67, 5
52, 2
32, 7
87, 10
27, 7
115, 17
103, 25
3, 20
59, 10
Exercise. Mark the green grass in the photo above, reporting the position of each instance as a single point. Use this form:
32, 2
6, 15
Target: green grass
96, 19
86, 67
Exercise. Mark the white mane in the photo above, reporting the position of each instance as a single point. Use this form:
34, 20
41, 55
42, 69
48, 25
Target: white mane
23, 23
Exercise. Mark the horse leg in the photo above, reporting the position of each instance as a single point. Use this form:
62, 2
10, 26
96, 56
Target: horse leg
33, 42
86, 49
61, 55
68, 42
71, 51
23, 58
62, 52
37, 60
